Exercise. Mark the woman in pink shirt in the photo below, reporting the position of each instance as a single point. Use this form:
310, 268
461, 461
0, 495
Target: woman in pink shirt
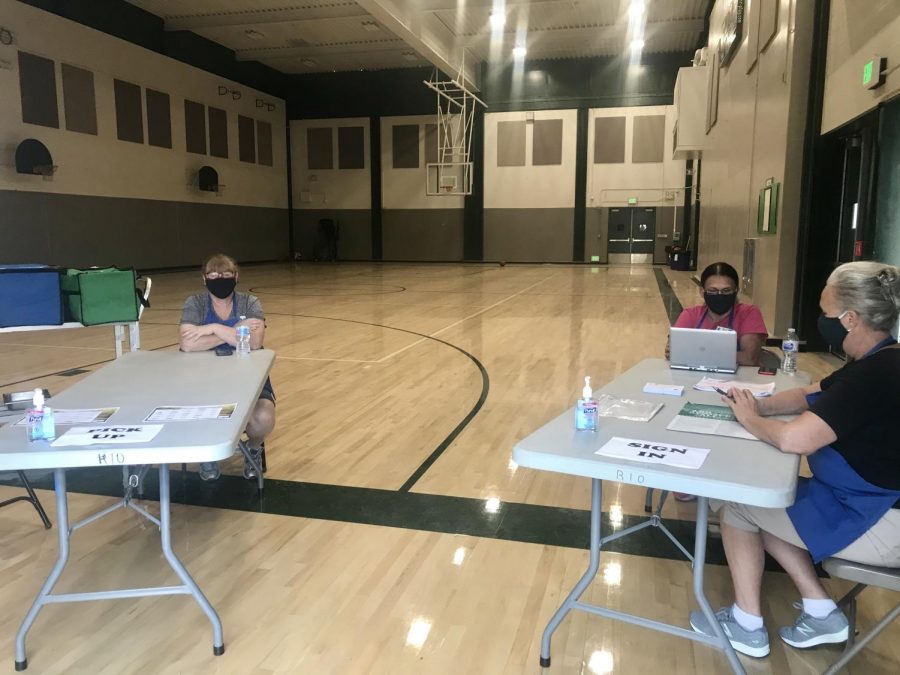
720, 310
719, 285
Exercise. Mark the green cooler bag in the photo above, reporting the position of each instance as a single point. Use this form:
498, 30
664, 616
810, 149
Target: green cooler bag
104, 295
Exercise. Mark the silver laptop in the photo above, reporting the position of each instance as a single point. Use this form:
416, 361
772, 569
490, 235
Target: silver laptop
713, 351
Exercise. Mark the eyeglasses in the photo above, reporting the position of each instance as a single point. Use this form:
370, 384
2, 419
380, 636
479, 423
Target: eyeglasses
719, 291
219, 275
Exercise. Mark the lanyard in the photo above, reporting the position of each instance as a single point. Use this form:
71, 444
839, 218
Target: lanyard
730, 317
884, 343
212, 317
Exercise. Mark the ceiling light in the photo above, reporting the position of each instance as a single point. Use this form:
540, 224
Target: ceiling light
519, 52
370, 26
636, 9
497, 20
637, 44
309, 63
492, 505
409, 56
254, 34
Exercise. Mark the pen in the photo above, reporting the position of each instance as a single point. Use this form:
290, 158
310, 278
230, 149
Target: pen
724, 393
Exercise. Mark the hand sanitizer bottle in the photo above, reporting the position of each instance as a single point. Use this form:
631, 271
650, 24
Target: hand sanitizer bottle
35, 417
586, 409
48, 427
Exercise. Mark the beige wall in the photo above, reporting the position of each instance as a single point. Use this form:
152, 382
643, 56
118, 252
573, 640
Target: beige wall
530, 186
329, 188
405, 188
652, 183
857, 31
758, 135
104, 166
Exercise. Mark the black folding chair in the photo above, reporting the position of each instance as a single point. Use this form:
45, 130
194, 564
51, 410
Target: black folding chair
31, 497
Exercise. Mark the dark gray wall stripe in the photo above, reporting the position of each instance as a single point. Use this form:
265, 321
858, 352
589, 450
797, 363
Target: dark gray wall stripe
473, 225
581, 142
80, 231
375, 174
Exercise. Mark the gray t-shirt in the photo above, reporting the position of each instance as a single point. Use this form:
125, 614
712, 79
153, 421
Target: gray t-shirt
195, 307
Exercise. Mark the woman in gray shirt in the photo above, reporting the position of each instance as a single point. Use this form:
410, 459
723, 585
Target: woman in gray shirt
210, 320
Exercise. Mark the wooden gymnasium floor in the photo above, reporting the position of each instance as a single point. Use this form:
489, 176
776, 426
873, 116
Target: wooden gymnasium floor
396, 535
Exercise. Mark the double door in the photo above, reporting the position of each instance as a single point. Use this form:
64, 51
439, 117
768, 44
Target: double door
631, 234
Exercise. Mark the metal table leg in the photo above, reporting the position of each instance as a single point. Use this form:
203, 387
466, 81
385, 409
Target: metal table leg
699, 565
62, 530
584, 582
572, 600
175, 563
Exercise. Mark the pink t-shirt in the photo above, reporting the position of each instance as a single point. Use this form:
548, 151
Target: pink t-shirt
747, 320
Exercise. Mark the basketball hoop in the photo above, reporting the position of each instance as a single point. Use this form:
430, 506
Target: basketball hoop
452, 173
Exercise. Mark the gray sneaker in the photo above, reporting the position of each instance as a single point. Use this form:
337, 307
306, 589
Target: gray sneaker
808, 631
209, 471
749, 642
249, 469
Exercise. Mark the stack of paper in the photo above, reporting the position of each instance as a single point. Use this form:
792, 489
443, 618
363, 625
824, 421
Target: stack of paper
717, 420
758, 390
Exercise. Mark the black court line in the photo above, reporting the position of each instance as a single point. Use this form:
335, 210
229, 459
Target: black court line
511, 521
670, 301
457, 430
443, 445
526, 523
84, 365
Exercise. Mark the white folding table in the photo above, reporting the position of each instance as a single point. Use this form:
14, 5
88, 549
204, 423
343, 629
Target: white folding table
137, 383
738, 470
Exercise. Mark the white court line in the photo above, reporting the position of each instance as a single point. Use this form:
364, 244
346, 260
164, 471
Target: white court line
456, 323
17, 344
420, 340
313, 358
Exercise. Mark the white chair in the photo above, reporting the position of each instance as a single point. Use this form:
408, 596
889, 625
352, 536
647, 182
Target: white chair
863, 575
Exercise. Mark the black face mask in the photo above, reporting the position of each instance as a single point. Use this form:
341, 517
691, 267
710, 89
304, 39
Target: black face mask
832, 331
221, 287
719, 304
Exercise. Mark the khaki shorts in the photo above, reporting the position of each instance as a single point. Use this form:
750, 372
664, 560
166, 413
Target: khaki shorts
879, 546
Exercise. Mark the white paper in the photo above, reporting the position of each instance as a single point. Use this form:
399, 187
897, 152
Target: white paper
186, 413
654, 452
758, 390
667, 389
104, 435
62, 416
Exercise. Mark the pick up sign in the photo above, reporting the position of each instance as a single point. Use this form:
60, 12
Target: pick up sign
102, 435
654, 452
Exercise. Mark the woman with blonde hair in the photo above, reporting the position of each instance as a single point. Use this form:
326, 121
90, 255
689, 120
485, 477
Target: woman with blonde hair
847, 426
210, 320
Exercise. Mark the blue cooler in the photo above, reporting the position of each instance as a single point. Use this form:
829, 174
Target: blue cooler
30, 296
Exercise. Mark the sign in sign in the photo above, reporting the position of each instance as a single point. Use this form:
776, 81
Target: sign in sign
654, 452
101, 435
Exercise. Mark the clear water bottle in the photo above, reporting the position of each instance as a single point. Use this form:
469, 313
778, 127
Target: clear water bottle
243, 341
790, 346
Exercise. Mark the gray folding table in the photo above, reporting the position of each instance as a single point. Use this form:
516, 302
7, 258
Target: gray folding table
739, 470
137, 383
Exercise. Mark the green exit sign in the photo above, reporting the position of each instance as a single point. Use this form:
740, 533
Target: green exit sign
632, 200
868, 71
874, 72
